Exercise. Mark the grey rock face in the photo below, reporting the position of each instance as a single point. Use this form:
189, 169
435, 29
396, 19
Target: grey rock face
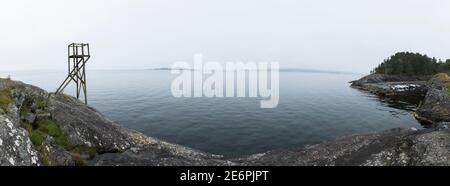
55, 155
436, 105
85, 126
396, 147
30, 118
152, 152
42, 116
15, 145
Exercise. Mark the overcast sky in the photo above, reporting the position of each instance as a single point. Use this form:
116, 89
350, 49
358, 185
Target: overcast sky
341, 35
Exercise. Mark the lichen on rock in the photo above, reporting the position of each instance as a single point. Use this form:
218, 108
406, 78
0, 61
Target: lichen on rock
15, 146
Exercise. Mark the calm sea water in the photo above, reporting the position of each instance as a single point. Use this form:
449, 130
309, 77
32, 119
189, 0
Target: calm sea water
313, 107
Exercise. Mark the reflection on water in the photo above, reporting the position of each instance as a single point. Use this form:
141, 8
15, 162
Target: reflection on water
405, 102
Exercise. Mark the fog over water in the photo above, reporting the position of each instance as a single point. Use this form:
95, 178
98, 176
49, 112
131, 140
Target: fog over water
344, 35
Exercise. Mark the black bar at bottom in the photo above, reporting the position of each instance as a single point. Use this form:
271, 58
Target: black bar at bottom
224, 175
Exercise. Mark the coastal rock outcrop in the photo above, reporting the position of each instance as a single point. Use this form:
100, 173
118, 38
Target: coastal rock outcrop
383, 78
388, 85
395, 147
84, 126
436, 105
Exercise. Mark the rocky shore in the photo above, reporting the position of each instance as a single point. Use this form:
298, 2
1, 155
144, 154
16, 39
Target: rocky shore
385, 85
434, 108
40, 128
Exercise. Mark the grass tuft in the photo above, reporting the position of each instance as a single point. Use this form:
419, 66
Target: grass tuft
5, 98
42, 128
49, 127
37, 138
442, 76
445, 78
41, 103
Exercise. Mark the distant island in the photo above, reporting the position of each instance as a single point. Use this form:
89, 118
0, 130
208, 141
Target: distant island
281, 70
167, 68
315, 71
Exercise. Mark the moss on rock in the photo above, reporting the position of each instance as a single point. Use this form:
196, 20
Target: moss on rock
5, 98
37, 138
44, 127
446, 79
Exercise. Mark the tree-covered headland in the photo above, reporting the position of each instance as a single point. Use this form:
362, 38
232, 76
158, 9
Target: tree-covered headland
408, 63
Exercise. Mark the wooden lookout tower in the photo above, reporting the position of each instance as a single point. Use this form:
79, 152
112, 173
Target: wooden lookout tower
78, 55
